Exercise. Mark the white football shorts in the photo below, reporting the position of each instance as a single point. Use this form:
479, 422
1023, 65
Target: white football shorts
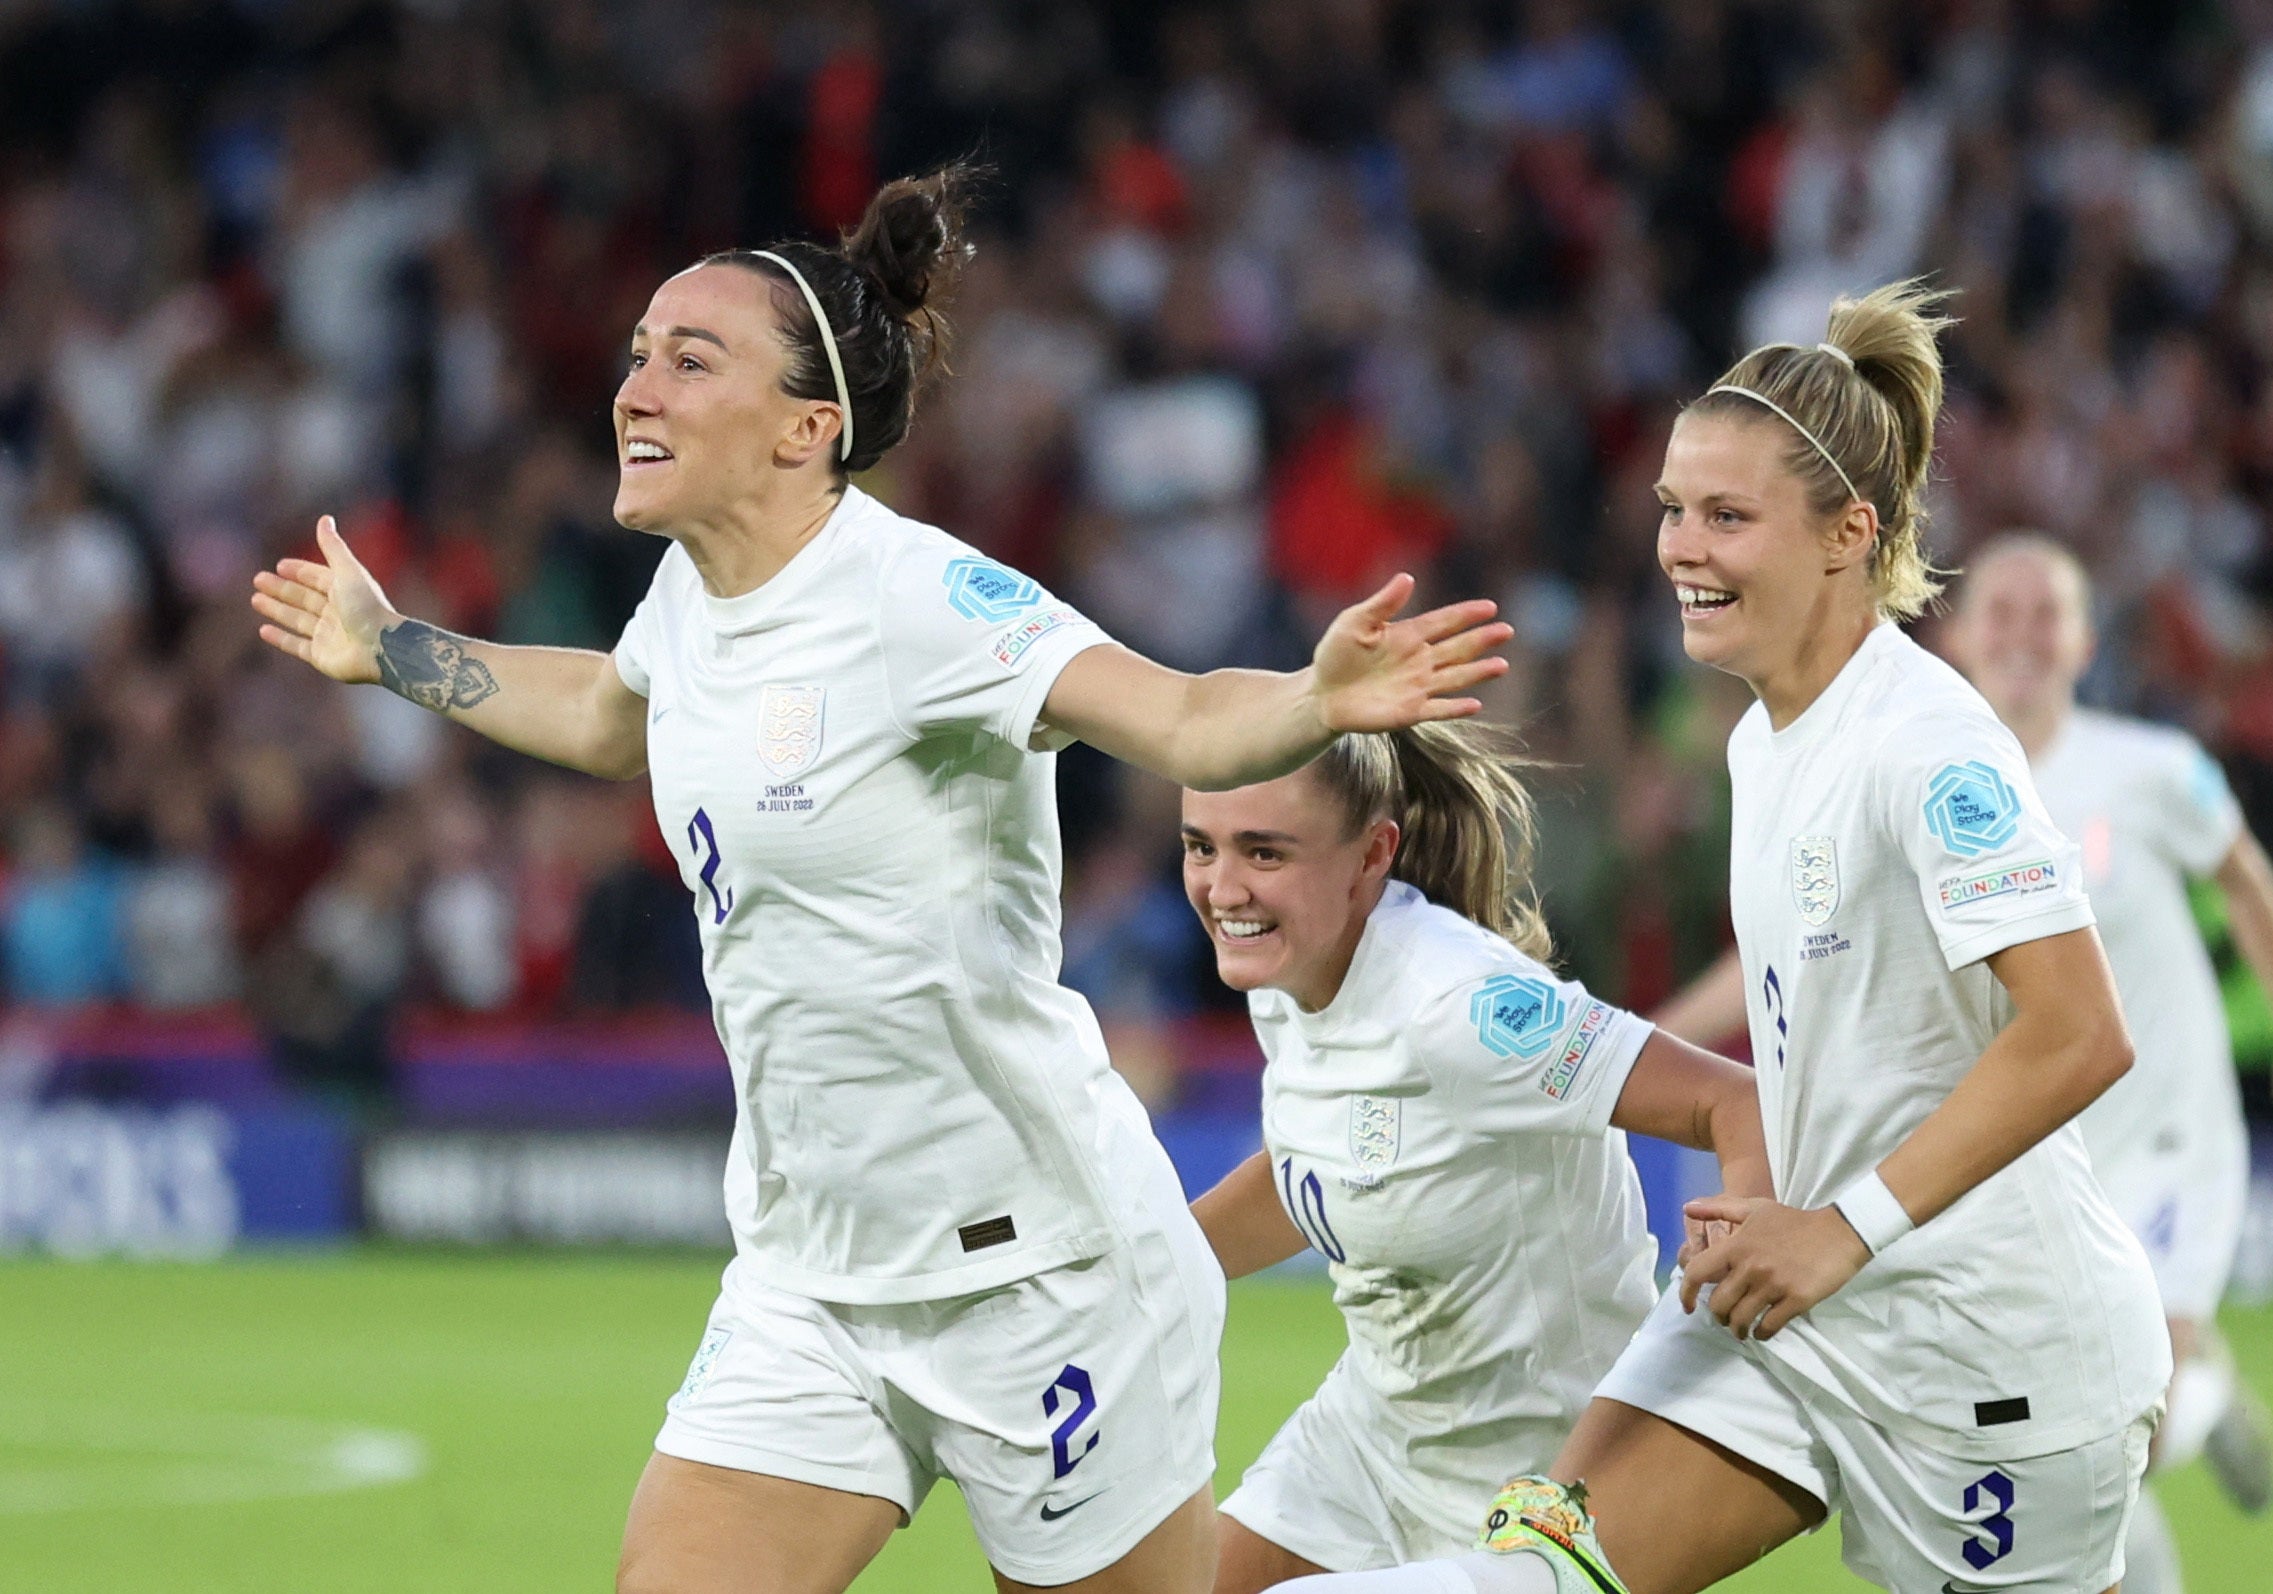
1075, 1409
1335, 1485
1911, 1518
2185, 1197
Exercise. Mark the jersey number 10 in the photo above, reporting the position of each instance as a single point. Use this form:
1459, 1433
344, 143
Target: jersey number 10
1306, 1204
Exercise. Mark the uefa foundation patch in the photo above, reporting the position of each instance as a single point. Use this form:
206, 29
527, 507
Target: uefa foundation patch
1011, 645
1557, 1080
2020, 880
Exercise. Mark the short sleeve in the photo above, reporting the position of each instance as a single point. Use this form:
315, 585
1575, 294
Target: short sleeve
2200, 818
1522, 1051
972, 645
634, 649
1992, 868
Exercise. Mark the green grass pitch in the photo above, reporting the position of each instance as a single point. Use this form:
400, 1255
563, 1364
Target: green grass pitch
385, 1421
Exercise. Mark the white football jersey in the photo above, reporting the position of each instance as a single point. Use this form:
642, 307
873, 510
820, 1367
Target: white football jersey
844, 763
2147, 808
1885, 843
1441, 1132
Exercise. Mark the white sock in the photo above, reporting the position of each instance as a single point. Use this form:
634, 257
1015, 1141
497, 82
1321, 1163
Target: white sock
1518, 1573
1479, 1573
2199, 1396
1421, 1577
2150, 1559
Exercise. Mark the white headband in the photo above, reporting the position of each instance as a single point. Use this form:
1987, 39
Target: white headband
1762, 398
829, 346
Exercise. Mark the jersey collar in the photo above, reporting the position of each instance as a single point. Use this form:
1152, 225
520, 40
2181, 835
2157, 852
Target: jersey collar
1357, 997
1831, 702
777, 599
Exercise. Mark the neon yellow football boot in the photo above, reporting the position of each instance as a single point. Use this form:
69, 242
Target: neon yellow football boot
1540, 1515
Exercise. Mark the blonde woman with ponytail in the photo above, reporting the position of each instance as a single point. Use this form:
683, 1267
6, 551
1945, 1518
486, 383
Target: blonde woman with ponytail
1442, 1118
1936, 1326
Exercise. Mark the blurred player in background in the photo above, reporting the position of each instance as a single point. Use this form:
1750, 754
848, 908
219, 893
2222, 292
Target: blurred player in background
1442, 1119
2150, 809
960, 1252
1938, 1327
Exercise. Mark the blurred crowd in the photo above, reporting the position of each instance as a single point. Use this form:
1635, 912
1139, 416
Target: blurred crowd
1272, 297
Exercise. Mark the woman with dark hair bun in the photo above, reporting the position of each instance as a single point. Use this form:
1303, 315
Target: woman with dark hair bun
959, 1250
880, 291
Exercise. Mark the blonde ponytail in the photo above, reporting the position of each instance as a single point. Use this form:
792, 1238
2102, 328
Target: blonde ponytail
1867, 399
1466, 818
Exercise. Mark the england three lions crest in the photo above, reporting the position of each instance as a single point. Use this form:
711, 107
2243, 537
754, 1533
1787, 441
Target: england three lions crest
789, 728
1815, 878
1374, 1123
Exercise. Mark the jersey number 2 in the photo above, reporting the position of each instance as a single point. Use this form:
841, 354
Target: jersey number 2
1772, 996
703, 839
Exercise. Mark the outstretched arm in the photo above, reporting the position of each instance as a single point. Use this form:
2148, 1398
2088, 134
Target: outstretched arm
1227, 728
2065, 1045
1244, 1222
565, 705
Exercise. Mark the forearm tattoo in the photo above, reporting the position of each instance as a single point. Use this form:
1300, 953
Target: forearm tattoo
431, 667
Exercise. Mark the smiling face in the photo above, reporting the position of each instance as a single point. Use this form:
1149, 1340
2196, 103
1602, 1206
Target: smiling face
2022, 632
1280, 884
701, 421
1759, 573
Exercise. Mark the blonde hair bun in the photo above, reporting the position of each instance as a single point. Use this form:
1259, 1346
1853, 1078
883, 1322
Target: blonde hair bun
1865, 402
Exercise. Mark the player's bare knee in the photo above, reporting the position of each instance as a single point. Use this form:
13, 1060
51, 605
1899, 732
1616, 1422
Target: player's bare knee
641, 1572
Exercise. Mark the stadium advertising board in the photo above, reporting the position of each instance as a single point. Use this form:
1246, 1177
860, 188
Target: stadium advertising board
90, 1179
551, 1189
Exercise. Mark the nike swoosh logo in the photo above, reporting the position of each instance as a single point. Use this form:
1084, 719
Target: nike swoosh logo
1051, 1515
656, 718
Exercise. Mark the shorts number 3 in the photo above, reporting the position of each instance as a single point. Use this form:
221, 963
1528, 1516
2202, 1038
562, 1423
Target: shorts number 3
1991, 1488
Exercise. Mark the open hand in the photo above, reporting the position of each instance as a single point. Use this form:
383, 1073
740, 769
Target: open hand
327, 615
1375, 672
1776, 1262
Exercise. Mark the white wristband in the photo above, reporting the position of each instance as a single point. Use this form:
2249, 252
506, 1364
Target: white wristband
1871, 1210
